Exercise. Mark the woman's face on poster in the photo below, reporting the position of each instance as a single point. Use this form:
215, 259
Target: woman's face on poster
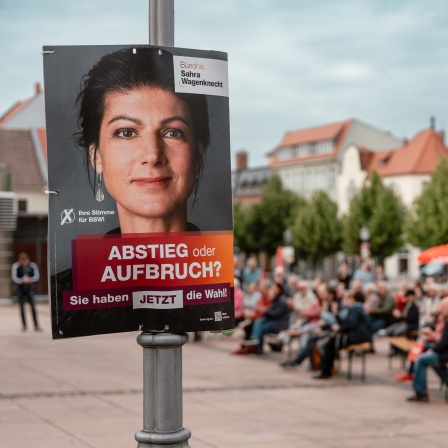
147, 152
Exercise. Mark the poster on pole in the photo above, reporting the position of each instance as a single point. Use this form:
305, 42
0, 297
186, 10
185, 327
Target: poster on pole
140, 202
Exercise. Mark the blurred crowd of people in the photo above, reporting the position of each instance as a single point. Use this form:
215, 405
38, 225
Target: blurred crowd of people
328, 315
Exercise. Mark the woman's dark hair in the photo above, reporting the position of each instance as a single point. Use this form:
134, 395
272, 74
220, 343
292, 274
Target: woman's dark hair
127, 69
281, 288
333, 293
359, 297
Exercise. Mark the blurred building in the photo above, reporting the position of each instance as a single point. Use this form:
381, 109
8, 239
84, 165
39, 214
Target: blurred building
406, 168
8, 224
309, 159
23, 155
248, 183
338, 158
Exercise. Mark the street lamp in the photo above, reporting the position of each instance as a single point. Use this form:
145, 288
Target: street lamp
288, 255
364, 236
364, 233
287, 236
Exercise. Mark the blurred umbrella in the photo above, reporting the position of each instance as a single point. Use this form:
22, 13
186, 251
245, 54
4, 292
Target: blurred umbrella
433, 253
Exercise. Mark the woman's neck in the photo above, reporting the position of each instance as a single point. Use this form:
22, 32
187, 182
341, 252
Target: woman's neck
140, 224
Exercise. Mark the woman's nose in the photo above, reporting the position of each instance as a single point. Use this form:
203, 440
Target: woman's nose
153, 150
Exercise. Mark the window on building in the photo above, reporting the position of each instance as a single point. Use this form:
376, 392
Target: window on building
295, 151
306, 149
403, 260
324, 147
22, 205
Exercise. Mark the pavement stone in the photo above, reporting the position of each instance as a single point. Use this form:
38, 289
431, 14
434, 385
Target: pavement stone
87, 392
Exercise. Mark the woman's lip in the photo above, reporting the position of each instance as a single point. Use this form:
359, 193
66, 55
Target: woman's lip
152, 182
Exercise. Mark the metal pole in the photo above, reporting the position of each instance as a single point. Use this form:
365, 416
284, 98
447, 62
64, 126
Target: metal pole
161, 22
162, 392
162, 352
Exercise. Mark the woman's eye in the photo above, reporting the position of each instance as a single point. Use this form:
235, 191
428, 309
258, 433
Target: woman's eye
125, 133
174, 133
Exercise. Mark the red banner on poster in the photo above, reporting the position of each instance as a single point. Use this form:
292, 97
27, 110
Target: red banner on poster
111, 262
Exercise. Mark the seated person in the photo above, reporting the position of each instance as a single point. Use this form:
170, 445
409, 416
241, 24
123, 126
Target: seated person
407, 320
344, 276
370, 292
317, 335
250, 302
435, 357
313, 313
429, 335
251, 273
381, 314
301, 302
429, 303
256, 304
352, 327
303, 306
400, 295
275, 318
238, 299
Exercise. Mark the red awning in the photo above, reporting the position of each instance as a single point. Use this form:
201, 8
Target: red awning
433, 253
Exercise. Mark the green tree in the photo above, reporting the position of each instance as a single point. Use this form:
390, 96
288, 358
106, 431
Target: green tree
380, 209
266, 221
317, 229
239, 226
427, 223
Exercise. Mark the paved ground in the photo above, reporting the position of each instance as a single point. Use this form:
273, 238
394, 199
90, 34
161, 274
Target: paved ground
87, 392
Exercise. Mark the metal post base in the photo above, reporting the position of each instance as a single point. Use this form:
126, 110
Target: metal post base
172, 440
162, 392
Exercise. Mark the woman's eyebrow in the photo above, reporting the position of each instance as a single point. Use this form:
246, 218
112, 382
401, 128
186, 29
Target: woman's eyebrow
125, 117
175, 118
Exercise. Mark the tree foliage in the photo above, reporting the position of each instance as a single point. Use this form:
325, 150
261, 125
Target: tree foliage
380, 209
317, 229
239, 226
427, 223
260, 227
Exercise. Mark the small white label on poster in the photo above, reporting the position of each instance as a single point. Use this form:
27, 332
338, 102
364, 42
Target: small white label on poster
201, 76
158, 299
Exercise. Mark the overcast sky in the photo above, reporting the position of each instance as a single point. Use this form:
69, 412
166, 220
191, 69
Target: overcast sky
292, 63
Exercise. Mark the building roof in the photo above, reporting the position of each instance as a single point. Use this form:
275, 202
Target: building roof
250, 181
26, 143
14, 110
18, 152
335, 132
366, 155
316, 134
419, 156
26, 114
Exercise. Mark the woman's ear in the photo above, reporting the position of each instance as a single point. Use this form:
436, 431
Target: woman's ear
95, 159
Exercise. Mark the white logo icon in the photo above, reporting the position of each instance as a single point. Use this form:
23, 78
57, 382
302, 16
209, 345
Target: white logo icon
67, 216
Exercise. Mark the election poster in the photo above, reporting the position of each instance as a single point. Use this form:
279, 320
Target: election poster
140, 203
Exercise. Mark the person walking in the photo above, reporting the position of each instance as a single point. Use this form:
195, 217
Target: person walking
25, 274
